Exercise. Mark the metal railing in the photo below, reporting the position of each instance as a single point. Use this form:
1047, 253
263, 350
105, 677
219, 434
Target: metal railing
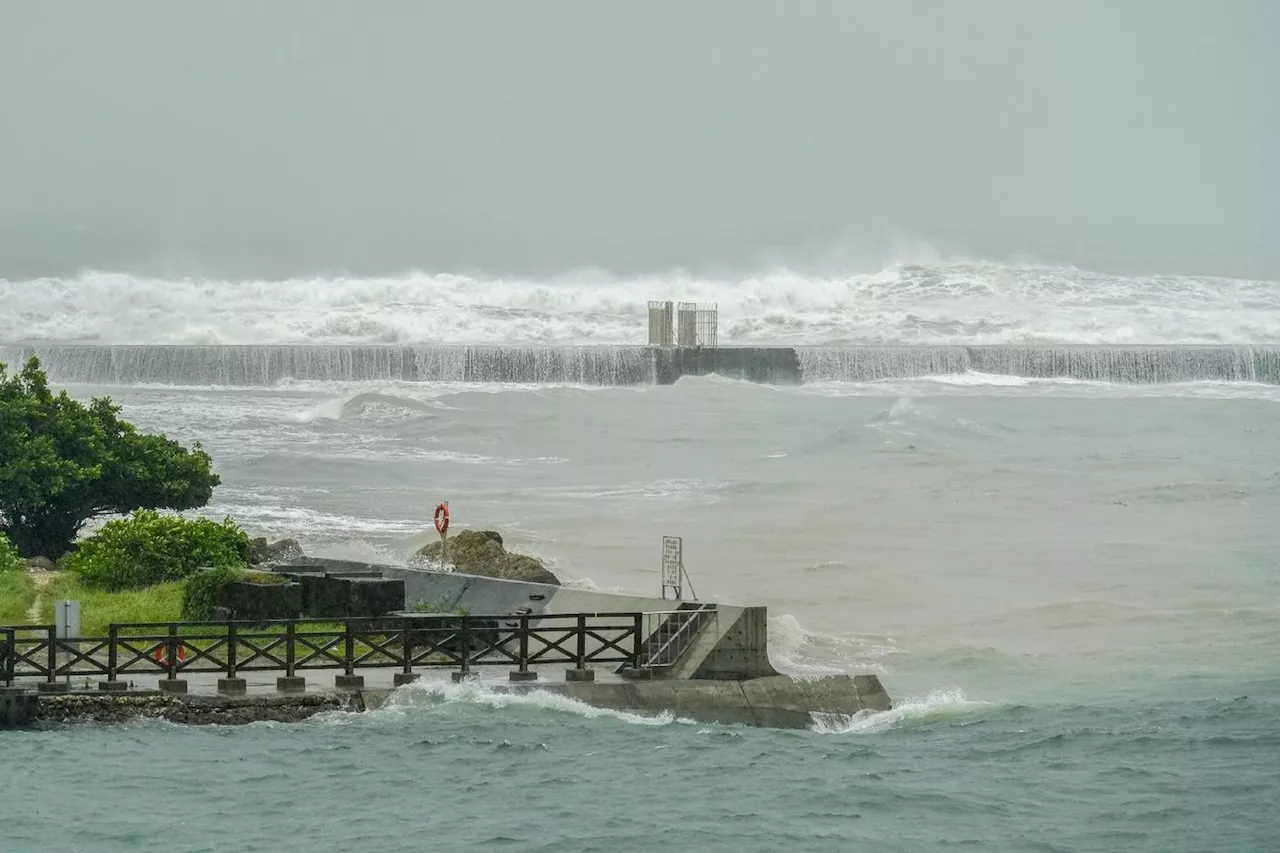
669, 634
697, 324
460, 642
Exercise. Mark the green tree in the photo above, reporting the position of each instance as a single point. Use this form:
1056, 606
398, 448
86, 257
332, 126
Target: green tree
63, 463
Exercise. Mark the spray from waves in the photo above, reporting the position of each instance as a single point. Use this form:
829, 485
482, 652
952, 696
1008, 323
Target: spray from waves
939, 706
432, 695
797, 651
935, 303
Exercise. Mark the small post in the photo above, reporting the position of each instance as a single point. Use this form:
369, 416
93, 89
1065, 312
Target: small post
52, 685
171, 650
464, 640
348, 680
171, 683
580, 671
349, 653
523, 673
53, 654
113, 651
231, 649
637, 650
582, 641
231, 685
10, 663
407, 675
290, 683
444, 539
113, 661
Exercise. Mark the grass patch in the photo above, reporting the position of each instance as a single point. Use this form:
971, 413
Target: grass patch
17, 592
99, 608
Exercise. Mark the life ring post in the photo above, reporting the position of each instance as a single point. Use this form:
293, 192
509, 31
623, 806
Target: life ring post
441, 519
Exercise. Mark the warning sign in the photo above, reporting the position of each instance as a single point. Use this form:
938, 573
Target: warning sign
672, 560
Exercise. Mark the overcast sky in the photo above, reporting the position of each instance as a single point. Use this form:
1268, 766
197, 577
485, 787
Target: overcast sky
277, 138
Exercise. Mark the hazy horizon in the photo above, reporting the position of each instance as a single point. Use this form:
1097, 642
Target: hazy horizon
294, 139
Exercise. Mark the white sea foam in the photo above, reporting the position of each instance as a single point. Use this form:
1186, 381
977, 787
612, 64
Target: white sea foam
429, 693
797, 651
931, 303
937, 706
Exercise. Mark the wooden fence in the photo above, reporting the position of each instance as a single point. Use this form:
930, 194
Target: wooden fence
170, 649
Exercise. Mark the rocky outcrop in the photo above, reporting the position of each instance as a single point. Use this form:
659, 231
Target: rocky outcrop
281, 551
40, 564
481, 552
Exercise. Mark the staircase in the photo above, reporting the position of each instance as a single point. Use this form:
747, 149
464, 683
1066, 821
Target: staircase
666, 643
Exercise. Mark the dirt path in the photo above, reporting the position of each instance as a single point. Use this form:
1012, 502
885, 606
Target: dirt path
42, 580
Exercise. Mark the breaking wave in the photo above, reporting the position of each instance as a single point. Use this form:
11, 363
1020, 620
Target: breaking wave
967, 303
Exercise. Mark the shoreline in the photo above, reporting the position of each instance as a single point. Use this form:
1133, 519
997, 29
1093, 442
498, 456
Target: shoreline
778, 702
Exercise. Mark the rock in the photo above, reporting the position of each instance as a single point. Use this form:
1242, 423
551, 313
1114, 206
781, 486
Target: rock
41, 564
281, 551
480, 552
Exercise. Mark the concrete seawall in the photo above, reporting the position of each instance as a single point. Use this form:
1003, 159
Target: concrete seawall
723, 675
268, 365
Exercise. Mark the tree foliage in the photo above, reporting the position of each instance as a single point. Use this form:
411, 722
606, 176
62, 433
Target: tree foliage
149, 548
63, 463
9, 559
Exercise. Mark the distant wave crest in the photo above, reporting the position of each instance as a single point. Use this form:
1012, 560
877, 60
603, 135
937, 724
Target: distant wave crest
936, 303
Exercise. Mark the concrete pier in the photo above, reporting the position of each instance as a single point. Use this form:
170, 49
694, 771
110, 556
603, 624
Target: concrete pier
266, 365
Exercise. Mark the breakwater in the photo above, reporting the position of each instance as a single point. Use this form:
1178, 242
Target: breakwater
269, 365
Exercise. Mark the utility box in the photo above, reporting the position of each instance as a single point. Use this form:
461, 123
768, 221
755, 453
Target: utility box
66, 619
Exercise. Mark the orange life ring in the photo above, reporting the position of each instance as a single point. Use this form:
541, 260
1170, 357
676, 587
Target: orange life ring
442, 518
160, 655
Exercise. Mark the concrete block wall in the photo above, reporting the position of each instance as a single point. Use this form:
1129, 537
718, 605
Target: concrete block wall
734, 645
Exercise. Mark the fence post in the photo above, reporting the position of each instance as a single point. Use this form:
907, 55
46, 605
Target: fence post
10, 655
522, 673
639, 641
406, 647
290, 683
349, 653
171, 683
171, 650
582, 642
231, 648
464, 637
407, 675
113, 651
53, 654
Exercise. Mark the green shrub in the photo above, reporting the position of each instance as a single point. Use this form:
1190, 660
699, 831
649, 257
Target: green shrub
9, 559
148, 548
200, 593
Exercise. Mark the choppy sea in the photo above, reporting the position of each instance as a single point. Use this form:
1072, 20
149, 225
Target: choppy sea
1070, 589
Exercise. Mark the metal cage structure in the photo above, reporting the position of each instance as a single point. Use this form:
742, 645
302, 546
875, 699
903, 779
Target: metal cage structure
697, 324
662, 324
684, 324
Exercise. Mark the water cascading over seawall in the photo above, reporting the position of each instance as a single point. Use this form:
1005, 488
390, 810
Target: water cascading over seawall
1120, 364
268, 365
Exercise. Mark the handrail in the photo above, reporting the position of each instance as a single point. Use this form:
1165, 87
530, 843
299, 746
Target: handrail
405, 641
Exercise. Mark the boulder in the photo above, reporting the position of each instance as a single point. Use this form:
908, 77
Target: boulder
281, 551
40, 564
480, 552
